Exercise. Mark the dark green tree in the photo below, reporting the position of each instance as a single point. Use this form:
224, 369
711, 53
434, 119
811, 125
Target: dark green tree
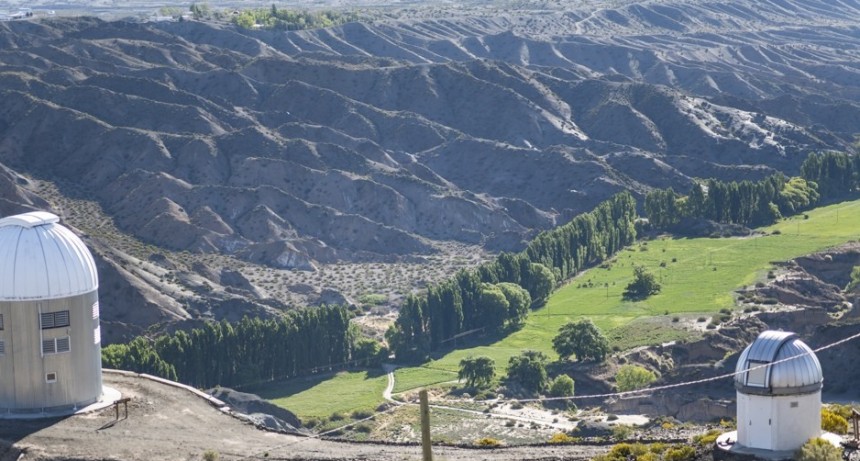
519, 301
529, 370
477, 371
582, 339
494, 307
644, 284
541, 283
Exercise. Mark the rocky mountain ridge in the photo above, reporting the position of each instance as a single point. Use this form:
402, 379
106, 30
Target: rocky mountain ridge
384, 141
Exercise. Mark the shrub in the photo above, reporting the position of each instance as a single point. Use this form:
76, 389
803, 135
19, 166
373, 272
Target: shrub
844, 411
707, 439
658, 447
680, 453
488, 442
561, 386
621, 432
361, 414
336, 417
363, 428
210, 455
728, 424
632, 377
818, 449
832, 422
311, 423
561, 437
623, 450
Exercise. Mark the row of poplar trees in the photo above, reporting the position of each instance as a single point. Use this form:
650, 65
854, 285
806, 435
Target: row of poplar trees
497, 295
247, 351
825, 176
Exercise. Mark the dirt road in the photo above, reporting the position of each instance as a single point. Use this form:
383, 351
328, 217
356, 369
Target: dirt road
167, 423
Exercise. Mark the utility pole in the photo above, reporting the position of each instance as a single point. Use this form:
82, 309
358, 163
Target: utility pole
425, 425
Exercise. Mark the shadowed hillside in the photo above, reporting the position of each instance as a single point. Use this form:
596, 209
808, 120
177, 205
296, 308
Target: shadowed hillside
391, 141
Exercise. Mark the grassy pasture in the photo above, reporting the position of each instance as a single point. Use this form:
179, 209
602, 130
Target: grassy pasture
698, 276
414, 377
323, 395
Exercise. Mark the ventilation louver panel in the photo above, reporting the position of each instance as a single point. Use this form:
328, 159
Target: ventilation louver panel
63, 344
48, 320
61, 319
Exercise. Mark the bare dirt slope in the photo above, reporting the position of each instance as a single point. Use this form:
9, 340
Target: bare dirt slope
170, 424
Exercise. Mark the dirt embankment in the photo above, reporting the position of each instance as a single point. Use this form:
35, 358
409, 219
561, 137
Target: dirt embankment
170, 424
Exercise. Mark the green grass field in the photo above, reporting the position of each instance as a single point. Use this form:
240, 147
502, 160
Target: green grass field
414, 377
698, 278
322, 396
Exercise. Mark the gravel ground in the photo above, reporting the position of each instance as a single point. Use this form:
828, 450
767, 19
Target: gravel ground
167, 423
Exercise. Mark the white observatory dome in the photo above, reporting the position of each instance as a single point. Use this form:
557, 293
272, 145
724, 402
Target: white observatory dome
40, 259
798, 376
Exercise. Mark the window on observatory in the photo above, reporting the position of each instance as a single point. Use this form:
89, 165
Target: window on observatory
55, 320
2, 348
1, 321
757, 373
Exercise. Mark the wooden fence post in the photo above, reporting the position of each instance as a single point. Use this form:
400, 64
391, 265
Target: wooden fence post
425, 426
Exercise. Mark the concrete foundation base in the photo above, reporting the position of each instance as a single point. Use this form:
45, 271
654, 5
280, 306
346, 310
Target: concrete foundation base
728, 449
109, 396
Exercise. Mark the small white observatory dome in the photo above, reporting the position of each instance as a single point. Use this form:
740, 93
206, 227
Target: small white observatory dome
778, 387
40, 259
797, 376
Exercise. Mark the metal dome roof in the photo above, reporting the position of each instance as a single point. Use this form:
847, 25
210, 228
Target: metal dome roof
40, 259
758, 374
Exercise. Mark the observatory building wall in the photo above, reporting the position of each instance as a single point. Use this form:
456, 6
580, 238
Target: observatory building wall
777, 422
51, 358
